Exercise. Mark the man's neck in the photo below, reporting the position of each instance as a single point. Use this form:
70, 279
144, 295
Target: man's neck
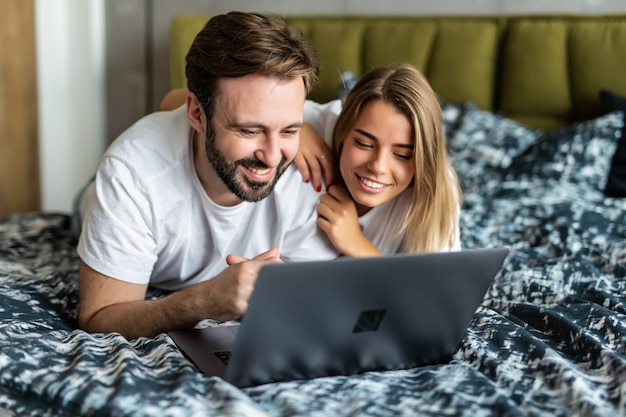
213, 186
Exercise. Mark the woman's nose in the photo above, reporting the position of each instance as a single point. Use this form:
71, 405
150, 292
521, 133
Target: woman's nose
378, 163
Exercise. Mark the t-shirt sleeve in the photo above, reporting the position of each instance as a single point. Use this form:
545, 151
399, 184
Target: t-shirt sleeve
117, 237
304, 240
307, 243
322, 117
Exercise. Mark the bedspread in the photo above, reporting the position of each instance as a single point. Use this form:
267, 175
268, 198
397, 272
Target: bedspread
548, 339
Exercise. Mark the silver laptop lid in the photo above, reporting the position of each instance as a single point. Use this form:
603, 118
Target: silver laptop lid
353, 315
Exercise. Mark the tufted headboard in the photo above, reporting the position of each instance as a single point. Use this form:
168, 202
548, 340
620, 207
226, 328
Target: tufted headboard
545, 71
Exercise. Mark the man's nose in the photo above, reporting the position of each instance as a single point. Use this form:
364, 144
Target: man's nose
269, 152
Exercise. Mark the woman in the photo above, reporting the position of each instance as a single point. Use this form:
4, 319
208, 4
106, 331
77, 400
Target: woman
396, 189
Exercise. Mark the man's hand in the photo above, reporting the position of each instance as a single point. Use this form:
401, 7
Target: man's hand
233, 259
229, 292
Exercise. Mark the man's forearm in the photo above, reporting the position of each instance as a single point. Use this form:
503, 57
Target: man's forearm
146, 318
111, 305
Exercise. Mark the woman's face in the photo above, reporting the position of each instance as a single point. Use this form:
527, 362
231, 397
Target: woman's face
376, 161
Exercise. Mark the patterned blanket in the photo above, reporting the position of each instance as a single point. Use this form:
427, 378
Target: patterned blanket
548, 339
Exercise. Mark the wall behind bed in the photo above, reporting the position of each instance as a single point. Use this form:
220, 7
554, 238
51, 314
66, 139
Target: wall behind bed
132, 74
147, 75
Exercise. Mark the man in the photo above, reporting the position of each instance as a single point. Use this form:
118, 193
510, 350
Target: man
189, 200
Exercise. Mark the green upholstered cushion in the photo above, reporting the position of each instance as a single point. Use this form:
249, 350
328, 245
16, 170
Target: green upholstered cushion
183, 31
357, 44
338, 45
389, 43
544, 71
598, 60
535, 77
463, 62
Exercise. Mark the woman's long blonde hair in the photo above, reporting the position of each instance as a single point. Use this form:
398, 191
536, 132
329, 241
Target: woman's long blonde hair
432, 219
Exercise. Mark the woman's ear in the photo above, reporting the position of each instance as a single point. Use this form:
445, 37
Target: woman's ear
195, 113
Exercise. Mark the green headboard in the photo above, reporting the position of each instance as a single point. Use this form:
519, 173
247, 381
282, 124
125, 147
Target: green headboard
545, 71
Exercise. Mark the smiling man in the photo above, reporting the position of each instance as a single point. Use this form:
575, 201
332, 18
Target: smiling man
190, 200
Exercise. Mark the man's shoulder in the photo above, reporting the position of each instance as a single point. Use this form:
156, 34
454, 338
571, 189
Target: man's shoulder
156, 140
154, 154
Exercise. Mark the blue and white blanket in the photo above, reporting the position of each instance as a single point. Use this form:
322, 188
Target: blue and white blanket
549, 338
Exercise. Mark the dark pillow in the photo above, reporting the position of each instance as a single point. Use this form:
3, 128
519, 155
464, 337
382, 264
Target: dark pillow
451, 115
490, 138
483, 147
571, 161
616, 181
346, 81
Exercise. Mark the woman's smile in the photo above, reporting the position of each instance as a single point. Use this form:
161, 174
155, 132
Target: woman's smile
370, 185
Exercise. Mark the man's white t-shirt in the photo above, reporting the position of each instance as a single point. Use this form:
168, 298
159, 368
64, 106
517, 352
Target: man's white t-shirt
382, 224
147, 219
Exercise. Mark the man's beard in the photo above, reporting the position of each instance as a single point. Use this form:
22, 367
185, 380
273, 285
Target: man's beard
242, 187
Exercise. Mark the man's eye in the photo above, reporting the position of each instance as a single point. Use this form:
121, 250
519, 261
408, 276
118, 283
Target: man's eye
290, 133
247, 132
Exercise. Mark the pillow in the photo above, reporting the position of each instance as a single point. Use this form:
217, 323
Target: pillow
572, 159
485, 137
616, 182
483, 146
451, 115
346, 81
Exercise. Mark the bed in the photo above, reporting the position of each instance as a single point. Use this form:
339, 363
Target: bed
538, 143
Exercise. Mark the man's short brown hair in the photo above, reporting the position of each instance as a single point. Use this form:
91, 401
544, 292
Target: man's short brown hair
236, 44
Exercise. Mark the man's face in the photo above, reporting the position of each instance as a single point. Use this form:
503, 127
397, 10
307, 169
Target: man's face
254, 133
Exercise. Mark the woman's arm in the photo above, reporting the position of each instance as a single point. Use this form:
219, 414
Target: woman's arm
315, 159
174, 99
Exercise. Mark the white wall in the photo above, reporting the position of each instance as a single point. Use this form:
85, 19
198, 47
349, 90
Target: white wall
401, 7
74, 123
70, 79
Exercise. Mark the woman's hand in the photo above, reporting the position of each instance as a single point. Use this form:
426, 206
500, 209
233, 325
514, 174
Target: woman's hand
339, 219
315, 159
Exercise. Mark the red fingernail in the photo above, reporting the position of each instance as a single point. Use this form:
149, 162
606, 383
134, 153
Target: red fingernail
307, 181
319, 188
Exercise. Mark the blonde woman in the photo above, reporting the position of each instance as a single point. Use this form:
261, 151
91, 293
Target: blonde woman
396, 190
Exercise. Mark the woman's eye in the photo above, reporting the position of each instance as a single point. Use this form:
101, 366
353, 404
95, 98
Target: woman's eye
404, 157
362, 144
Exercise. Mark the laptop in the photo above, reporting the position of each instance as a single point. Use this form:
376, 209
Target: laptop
347, 316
